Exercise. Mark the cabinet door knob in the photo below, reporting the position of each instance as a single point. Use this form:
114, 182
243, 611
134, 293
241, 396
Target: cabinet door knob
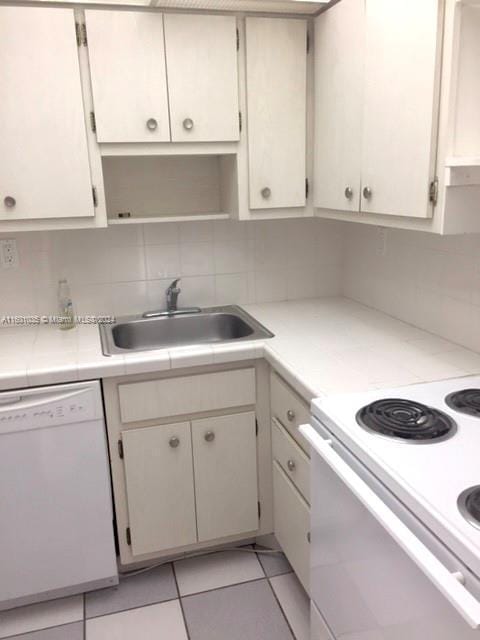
152, 124
9, 202
291, 465
188, 124
348, 193
367, 193
209, 436
291, 415
174, 442
266, 192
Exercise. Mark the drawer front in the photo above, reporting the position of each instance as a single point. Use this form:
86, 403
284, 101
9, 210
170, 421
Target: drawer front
289, 409
291, 458
292, 524
152, 399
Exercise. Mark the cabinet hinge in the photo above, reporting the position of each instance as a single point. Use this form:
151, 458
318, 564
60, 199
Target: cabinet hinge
81, 33
306, 187
94, 196
433, 191
93, 122
240, 121
259, 507
120, 449
238, 40
308, 43
128, 536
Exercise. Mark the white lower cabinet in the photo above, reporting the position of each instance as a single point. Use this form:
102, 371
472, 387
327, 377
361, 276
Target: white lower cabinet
225, 466
190, 482
159, 485
292, 524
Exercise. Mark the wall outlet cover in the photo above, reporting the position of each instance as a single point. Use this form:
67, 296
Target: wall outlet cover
8, 253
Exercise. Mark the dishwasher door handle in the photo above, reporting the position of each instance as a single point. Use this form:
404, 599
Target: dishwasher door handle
447, 582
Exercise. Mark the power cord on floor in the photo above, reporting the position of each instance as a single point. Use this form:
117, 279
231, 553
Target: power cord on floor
186, 556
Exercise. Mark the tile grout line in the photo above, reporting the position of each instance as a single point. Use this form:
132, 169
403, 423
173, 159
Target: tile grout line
281, 609
185, 624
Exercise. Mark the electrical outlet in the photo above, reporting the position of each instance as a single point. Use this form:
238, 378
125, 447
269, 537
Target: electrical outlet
381, 242
8, 254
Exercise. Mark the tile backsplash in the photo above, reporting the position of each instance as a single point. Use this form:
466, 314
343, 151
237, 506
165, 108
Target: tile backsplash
124, 270
430, 281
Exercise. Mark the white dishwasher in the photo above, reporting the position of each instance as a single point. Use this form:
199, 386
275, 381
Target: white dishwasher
56, 519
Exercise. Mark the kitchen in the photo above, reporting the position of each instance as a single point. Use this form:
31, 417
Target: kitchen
239, 283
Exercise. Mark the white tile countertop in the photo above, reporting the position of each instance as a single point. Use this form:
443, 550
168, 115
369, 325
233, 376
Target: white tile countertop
320, 347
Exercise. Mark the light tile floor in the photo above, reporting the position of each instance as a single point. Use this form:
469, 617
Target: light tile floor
223, 596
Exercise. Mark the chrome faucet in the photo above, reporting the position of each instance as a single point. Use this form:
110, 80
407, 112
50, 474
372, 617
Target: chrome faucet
172, 296
172, 293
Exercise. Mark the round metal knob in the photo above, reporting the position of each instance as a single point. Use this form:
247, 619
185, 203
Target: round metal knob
367, 193
291, 415
266, 192
9, 202
291, 465
348, 193
174, 442
152, 124
188, 124
209, 436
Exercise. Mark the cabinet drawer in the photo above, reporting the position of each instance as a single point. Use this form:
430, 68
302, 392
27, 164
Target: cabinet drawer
152, 399
289, 409
292, 524
291, 458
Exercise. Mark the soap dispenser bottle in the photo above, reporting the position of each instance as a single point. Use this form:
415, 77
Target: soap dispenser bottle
65, 306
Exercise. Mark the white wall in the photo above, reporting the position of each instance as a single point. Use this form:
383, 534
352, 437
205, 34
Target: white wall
429, 281
124, 270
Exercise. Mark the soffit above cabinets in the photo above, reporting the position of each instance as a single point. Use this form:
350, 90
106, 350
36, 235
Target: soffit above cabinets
294, 7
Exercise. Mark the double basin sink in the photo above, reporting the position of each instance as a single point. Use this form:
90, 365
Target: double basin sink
206, 326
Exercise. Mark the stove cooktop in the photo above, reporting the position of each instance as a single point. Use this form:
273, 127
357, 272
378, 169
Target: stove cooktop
440, 481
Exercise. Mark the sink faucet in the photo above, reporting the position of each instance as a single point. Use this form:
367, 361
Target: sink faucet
172, 296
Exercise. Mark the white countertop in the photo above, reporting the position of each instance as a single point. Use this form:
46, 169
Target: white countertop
323, 346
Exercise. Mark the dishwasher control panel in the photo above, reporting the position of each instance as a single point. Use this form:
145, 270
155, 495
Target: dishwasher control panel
30, 412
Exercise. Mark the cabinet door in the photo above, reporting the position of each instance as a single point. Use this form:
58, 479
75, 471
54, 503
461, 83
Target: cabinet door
401, 86
339, 51
159, 483
202, 77
276, 103
129, 82
44, 166
225, 461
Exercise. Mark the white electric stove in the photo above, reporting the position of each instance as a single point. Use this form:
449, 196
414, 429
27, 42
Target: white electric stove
395, 551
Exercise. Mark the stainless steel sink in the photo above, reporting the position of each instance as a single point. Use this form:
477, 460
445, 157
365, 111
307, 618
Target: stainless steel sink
214, 325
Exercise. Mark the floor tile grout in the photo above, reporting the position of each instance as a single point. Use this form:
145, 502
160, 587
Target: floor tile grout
281, 608
180, 601
225, 586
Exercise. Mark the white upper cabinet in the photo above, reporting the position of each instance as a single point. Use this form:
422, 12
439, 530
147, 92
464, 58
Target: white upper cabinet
377, 81
44, 165
276, 51
400, 99
339, 50
202, 77
129, 82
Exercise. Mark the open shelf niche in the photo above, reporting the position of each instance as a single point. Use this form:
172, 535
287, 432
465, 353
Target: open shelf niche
170, 188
